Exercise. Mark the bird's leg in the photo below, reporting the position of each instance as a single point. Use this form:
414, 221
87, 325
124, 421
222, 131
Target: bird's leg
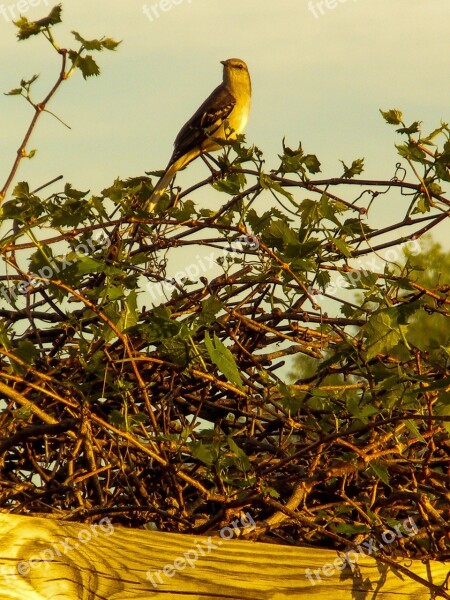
174, 196
216, 174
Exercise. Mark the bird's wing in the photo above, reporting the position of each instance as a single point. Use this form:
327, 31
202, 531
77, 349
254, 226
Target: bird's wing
205, 122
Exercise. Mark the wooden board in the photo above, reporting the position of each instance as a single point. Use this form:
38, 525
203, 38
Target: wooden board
44, 559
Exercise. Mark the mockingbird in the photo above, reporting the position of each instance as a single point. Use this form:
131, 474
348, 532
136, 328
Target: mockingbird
227, 108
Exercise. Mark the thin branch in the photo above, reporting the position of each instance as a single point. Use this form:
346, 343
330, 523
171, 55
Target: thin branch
39, 109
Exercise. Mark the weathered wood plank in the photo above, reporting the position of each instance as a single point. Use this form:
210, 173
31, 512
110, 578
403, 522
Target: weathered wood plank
43, 559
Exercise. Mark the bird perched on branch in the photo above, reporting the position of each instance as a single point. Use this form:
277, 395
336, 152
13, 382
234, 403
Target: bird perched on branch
227, 108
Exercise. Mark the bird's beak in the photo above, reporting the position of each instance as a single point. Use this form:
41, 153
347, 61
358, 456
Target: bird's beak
223, 62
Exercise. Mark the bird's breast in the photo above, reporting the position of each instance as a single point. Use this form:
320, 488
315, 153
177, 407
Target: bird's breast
239, 118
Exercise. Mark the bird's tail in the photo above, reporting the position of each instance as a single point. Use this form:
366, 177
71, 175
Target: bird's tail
164, 181
160, 187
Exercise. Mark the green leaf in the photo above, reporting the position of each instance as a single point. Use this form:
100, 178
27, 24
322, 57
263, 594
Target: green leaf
113, 292
412, 152
329, 208
381, 334
401, 313
310, 212
361, 411
176, 350
41, 263
96, 45
442, 170
440, 384
29, 28
210, 308
109, 43
161, 326
185, 211
72, 193
360, 279
442, 409
243, 458
267, 182
14, 92
386, 328
354, 227
88, 44
342, 247
231, 185
4, 337
295, 161
129, 316
113, 313
279, 234
127, 422
393, 116
292, 399
259, 222
202, 452
428, 139
414, 128
53, 18
88, 66
356, 168
434, 188
86, 264
380, 471
22, 190
312, 163
323, 279
26, 28
26, 351
298, 250
412, 427
347, 529
27, 83
223, 359
423, 205
72, 212
291, 160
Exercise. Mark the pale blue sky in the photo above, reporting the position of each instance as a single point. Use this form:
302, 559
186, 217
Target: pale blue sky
319, 79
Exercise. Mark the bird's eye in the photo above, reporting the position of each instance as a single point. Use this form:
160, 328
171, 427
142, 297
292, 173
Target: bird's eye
239, 66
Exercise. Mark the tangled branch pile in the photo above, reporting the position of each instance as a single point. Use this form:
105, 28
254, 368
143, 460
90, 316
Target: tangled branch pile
144, 358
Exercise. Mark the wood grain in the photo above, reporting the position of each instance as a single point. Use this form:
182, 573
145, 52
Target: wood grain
44, 559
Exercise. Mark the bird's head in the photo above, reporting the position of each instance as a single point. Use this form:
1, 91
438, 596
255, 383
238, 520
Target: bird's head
235, 71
